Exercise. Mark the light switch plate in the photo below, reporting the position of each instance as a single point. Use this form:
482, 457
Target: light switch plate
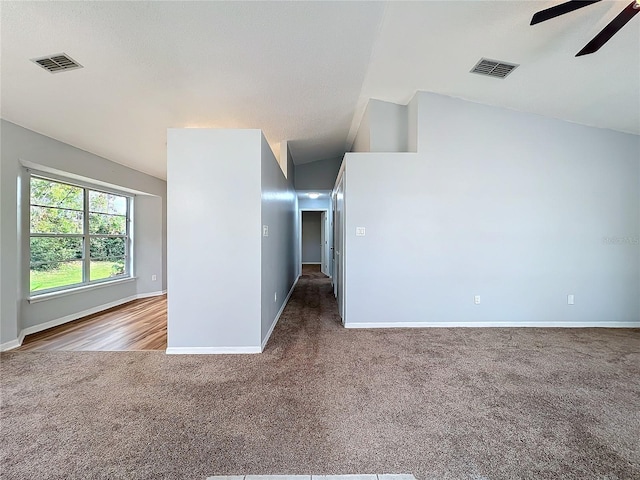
360, 231
265, 230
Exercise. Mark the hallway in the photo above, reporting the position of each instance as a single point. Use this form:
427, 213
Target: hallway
310, 315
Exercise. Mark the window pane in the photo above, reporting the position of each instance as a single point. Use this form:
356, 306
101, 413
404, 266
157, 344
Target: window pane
57, 274
101, 269
55, 220
107, 247
107, 224
107, 203
55, 194
59, 216
52, 250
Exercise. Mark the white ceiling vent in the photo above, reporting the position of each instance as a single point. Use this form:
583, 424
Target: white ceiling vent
57, 63
493, 68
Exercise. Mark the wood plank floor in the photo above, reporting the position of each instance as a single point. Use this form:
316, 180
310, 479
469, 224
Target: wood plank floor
137, 325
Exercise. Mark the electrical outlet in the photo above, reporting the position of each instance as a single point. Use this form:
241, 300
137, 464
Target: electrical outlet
154, 278
265, 230
476, 299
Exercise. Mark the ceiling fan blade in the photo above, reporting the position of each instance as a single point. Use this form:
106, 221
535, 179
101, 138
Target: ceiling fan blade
610, 30
561, 9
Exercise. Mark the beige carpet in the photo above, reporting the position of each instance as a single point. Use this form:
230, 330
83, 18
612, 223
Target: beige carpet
438, 403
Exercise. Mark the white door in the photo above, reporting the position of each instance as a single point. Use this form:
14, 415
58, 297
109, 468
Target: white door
323, 243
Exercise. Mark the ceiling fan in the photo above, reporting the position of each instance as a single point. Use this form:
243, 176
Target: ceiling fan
601, 38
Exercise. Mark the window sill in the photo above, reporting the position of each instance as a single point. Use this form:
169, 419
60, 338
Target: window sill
72, 291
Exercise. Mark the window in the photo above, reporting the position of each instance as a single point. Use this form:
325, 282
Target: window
78, 235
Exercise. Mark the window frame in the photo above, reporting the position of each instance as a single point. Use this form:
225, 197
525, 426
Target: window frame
86, 236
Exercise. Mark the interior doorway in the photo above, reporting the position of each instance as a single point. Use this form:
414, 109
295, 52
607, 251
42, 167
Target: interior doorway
315, 239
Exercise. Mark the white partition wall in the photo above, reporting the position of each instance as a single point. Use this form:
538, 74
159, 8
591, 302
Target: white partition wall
231, 216
213, 240
497, 219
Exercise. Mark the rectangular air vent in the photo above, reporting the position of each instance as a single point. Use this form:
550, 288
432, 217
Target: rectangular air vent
493, 68
57, 63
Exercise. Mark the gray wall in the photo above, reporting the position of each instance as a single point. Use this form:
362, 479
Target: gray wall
311, 248
362, 140
9, 241
278, 253
384, 128
389, 126
320, 175
412, 122
214, 239
291, 175
149, 241
519, 209
22, 145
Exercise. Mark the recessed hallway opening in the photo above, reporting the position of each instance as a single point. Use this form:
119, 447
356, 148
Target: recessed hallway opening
309, 316
315, 239
311, 237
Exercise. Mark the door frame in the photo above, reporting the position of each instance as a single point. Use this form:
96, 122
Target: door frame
338, 202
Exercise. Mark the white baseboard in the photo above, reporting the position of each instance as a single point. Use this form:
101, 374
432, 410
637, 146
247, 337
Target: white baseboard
10, 345
493, 324
74, 316
151, 294
311, 263
211, 350
275, 320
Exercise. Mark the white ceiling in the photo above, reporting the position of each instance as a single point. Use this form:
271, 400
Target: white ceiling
300, 71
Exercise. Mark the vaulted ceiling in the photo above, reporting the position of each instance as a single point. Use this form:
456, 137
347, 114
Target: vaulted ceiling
300, 71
